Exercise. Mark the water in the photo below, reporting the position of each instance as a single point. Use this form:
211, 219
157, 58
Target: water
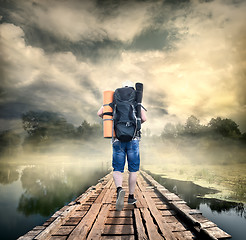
229, 216
30, 194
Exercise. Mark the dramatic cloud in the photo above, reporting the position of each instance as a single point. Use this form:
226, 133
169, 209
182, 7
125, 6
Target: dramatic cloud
61, 55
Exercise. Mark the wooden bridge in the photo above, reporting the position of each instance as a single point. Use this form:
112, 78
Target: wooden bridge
158, 214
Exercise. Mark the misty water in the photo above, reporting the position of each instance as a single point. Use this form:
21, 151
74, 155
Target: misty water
31, 193
33, 187
229, 216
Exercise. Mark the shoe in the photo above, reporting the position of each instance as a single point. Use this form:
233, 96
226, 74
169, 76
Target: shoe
120, 200
132, 200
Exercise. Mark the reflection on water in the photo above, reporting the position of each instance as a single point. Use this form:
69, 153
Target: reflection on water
229, 216
31, 193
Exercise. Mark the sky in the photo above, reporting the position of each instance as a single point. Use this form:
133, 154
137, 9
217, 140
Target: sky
61, 55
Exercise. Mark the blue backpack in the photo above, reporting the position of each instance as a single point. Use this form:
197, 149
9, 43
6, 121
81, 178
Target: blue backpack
124, 113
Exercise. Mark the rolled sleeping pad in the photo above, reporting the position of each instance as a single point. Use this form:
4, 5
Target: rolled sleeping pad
107, 114
139, 97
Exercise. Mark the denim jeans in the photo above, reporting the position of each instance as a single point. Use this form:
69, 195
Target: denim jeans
123, 149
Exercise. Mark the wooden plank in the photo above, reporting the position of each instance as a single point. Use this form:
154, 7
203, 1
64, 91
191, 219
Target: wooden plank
72, 221
208, 224
78, 214
168, 213
139, 225
163, 207
49, 221
120, 214
119, 221
163, 226
217, 233
200, 218
101, 198
97, 229
177, 226
108, 198
140, 199
85, 225
185, 235
118, 230
64, 231
83, 207
125, 208
170, 219
151, 227
58, 238
52, 228
115, 237
30, 235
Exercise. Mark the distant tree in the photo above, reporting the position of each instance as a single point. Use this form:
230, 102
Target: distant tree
46, 126
169, 131
9, 142
224, 127
180, 129
86, 130
192, 125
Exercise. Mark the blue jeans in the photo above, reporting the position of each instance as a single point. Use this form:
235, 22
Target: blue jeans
123, 149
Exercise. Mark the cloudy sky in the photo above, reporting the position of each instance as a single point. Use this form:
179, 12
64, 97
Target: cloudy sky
60, 55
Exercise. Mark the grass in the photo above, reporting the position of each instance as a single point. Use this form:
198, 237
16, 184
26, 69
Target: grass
222, 168
230, 180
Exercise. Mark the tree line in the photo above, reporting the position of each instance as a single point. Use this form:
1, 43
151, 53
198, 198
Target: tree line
216, 128
43, 128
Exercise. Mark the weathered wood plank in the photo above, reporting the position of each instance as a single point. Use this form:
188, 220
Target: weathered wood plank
168, 213
118, 230
125, 208
30, 235
85, 225
116, 237
140, 199
217, 233
119, 221
97, 229
184, 235
163, 226
58, 238
80, 214
139, 225
64, 231
52, 228
116, 214
151, 227
72, 221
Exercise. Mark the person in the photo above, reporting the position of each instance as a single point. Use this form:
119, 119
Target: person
121, 150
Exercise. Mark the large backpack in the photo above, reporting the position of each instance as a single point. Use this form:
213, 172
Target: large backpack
124, 115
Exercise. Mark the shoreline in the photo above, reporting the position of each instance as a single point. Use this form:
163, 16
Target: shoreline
227, 190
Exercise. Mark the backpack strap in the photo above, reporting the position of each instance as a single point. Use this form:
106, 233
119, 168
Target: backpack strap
114, 109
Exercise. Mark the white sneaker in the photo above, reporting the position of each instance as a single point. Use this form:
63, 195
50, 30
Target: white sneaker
120, 200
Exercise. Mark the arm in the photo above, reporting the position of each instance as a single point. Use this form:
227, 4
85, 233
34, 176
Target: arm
100, 112
143, 116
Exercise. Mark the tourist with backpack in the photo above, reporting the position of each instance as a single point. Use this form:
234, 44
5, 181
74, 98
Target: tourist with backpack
128, 114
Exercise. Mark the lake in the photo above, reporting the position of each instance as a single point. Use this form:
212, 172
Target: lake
31, 193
